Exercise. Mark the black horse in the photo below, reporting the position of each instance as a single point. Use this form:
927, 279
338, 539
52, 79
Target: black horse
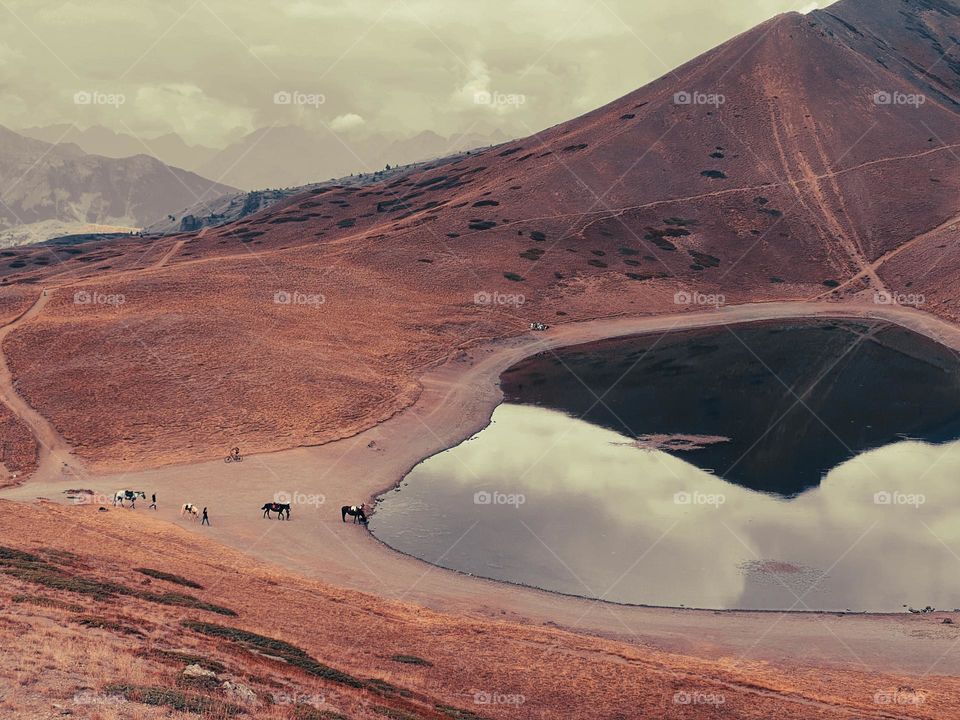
278, 508
355, 512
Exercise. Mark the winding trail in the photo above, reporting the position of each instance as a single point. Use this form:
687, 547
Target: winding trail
54, 456
457, 400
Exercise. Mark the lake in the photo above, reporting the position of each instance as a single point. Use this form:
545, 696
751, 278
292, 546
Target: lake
803, 466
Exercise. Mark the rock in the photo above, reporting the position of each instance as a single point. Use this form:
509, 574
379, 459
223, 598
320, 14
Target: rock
195, 671
239, 691
947, 621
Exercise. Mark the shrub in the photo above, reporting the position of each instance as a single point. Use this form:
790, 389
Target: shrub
277, 648
169, 577
175, 699
411, 660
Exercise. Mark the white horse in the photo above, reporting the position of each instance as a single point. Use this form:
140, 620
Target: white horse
120, 495
190, 508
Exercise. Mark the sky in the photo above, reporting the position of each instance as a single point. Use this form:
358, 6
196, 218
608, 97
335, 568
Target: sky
215, 70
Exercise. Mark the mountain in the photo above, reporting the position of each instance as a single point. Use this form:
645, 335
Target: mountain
170, 148
273, 157
236, 206
291, 156
811, 158
51, 190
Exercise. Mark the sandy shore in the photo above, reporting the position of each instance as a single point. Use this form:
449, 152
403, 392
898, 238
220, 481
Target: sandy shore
457, 400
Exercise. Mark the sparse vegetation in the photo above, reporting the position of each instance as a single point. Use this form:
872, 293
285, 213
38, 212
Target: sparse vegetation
395, 714
34, 569
411, 660
704, 259
307, 712
175, 700
278, 649
183, 658
169, 577
101, 623
43, 601
481, 224
458, 714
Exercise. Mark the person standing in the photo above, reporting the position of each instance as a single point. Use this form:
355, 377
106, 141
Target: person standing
206, 518
153, 502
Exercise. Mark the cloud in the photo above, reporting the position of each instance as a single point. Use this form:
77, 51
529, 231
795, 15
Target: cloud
401, 67
349, 121
475, 87
195, 116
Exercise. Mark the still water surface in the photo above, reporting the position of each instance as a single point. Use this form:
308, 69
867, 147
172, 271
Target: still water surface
809, 466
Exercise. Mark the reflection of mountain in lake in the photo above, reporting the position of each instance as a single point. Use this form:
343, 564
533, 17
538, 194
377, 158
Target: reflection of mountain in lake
794, 400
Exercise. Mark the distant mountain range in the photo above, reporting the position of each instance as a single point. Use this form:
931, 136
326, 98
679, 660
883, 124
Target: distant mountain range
274, 157
47, 190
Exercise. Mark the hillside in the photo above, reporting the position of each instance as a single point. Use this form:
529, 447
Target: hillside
184, 627
799, 185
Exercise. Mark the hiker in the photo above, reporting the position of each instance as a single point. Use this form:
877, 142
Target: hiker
206, 518
153, 501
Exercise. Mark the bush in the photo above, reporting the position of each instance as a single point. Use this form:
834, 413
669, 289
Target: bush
411, 660
278, 648
169, 577
175, 699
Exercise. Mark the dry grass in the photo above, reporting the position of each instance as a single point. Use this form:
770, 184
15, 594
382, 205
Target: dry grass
311, 651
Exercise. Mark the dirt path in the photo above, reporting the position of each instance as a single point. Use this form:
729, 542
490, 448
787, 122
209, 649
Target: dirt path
55, 459
457, 400
886, 257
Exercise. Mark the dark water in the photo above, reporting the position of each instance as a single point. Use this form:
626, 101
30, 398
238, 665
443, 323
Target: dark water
826, 475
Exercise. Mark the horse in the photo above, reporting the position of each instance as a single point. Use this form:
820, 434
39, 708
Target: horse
190, 508
355, 512
278, 508
120, 495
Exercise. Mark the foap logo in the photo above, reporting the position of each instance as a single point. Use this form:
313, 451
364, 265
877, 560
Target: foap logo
885, 497
699, 498
883, 97
84, 297
90, 499
886, 297
315, 700
94, 97
89, 697
692, 297
295, 97
499, 99
698, 98
696, 697
499, 498
498, 298
900, 696
485, 697
298, 498
284, 297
